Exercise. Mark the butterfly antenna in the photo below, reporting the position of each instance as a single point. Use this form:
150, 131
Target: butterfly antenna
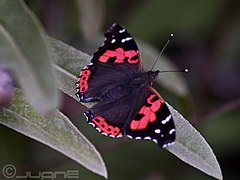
180, 70
170, 37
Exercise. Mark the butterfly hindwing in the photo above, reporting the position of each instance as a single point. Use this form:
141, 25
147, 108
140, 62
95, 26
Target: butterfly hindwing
103, 125
153, 121
114, 111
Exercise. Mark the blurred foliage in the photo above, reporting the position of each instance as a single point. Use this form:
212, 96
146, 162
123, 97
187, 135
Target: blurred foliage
27, 55
206, 41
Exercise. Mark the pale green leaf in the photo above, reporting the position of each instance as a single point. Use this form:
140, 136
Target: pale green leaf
55, 131
69, 62
23, 49
192, 148
67, 57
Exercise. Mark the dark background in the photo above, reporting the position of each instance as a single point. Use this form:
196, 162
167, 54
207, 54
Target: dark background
207, 36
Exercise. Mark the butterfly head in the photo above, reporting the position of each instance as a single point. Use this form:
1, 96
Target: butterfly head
151, 76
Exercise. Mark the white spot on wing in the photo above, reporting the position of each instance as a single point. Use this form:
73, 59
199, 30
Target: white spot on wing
172, 131
126, 39
154, 140
113, 41
167, 144
138, 137
98, 129
147, 138
157, 131
104, 134
121, 30
167, 119
91, 124
86, 117
164, 146
119, 136
129, 136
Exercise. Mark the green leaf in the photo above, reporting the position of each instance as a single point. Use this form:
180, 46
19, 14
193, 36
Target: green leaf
23, 48
69, 62
192, 148
67, 57
56, 131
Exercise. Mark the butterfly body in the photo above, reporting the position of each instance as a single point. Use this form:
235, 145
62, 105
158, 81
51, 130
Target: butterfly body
126, 102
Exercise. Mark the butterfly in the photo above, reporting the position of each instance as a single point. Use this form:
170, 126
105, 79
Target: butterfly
126, 102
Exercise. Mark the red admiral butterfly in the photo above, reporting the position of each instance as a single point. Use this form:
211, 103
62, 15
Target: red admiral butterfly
126, 102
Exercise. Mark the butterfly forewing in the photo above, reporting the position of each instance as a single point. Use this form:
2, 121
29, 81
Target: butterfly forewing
119, 47
112, 62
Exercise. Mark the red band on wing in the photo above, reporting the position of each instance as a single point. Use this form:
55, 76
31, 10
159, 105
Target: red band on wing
130, 54
105, 127
120, 55
148, 113
83, 81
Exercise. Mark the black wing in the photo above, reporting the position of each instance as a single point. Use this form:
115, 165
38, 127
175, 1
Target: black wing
153, 120
106, 80
111, 63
